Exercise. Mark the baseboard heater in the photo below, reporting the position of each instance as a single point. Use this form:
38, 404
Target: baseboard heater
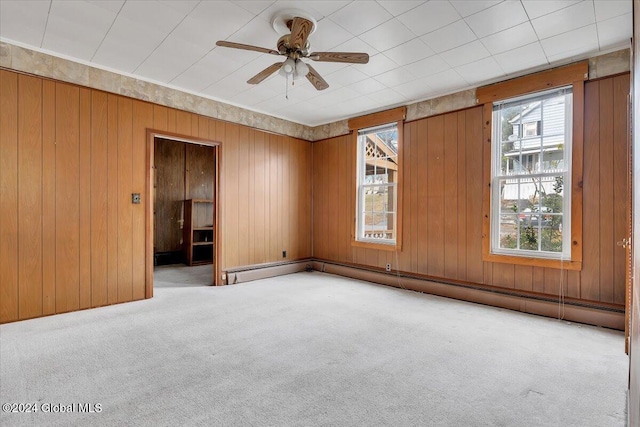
248, 273
577, 311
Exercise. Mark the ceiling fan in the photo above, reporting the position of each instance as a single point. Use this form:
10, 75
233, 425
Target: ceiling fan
294, 44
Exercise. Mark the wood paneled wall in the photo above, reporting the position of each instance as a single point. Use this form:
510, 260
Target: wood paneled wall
70, 157
442, 203
169, 194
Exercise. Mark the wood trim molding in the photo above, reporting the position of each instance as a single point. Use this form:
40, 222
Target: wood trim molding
152, 134
575, 263
549, 79
577, 166
354, 180
375, 119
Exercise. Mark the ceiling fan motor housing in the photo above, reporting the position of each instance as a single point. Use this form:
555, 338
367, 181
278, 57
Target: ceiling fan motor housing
285, 48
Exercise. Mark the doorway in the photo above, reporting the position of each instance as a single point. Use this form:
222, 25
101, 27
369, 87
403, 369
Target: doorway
182, 219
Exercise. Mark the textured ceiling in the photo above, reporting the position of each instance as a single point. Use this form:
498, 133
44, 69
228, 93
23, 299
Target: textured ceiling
418, 49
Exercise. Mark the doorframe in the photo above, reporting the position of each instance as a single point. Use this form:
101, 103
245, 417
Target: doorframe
152, 134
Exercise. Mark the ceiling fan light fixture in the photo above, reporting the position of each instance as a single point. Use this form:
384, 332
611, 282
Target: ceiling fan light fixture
288, 67
301, 70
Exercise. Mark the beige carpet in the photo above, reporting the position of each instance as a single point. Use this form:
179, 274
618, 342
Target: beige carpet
310, 349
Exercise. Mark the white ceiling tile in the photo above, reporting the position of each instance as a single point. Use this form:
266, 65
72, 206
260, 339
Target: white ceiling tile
522, 58
607, 9
398, 7
301, 92
346, 76
428, 66
253, 96
145, 22
165, 14
210, 22
480, 71
256, 7
411, 51
376, 104
77, 28
170, 59
514, 37
252, 68
387, 96
334, 98
228, 87
241, 56
180, 7
117, 51
279, 101
570, 18
470, 52
395, 77
325, 8
416, 89
258, 32
357, 19
429, 17
448, 37
367, 86
378, 64
356, 45
497, 18
285, 5
388, 35
302, 116
208, 70
446, 82
537, 8
326, 68
111, 5
24, 21
570, 43
317, 9
615, 31
355, 107
467, 7
328, 35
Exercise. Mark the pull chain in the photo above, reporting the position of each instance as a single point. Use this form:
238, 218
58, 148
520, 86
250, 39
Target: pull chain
286, 84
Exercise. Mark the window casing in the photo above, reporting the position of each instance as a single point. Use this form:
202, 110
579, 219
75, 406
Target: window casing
377, 185
531, 175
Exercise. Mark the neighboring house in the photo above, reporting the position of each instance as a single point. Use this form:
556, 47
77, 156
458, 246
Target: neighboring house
536, 145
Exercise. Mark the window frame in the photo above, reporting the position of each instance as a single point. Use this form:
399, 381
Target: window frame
496, 177
574, 75
395, 116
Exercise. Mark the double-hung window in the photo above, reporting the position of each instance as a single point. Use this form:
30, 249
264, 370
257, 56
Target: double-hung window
377, 184
531, 175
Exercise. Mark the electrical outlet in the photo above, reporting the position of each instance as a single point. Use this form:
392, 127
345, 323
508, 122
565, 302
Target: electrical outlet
388, 267
284, 254
135, 198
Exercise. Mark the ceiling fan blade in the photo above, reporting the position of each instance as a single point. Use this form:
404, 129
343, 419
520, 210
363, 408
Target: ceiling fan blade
315, 79
350, 57
233, 45
264, 73
300, 30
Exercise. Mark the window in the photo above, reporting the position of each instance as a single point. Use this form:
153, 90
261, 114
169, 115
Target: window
377, 185
531, 129
531, 176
